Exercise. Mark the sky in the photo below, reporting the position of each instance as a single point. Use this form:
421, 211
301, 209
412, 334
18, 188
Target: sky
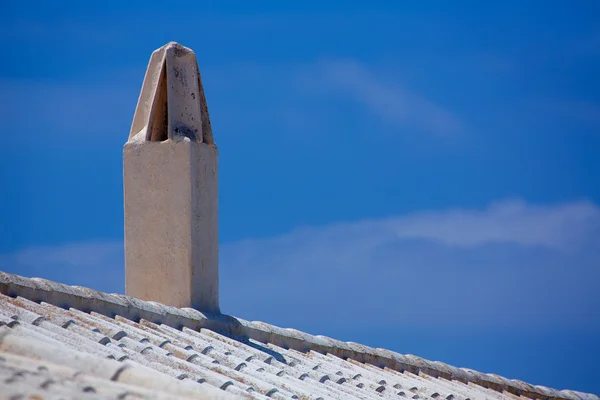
418, 176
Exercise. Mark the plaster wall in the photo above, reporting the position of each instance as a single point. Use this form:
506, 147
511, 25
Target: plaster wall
171, 225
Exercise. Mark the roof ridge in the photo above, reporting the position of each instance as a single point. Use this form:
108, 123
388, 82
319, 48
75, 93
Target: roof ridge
111, 305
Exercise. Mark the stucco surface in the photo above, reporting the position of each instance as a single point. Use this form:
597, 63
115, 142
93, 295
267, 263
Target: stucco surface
171, 226
170, 178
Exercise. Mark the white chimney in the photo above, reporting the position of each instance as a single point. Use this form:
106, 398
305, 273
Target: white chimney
170, 182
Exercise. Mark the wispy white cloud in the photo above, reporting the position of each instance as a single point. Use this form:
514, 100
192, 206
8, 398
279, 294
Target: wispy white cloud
85, 254
556, 227
96, 264
68, 111
587, 112
511, 265
83, 107
389, 101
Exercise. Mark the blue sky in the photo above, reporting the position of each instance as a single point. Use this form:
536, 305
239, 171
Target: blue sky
421, 177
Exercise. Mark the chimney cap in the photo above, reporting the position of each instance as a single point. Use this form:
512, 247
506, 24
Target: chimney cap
172, 104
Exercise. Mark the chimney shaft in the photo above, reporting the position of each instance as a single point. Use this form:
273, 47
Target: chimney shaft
170, 178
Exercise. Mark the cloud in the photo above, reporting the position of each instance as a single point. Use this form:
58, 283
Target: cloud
515, 222
97, 264
304, 92
511, 265
390, 102
68, 111
87, 106
586, 112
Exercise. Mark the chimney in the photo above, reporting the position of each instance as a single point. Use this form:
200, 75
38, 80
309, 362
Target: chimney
170, 188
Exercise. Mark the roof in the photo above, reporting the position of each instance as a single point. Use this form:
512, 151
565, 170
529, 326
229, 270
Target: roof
58, 340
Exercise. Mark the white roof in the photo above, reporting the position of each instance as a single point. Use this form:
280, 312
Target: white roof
58, 340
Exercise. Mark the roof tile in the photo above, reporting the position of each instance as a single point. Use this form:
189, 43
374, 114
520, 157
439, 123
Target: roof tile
59, 340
